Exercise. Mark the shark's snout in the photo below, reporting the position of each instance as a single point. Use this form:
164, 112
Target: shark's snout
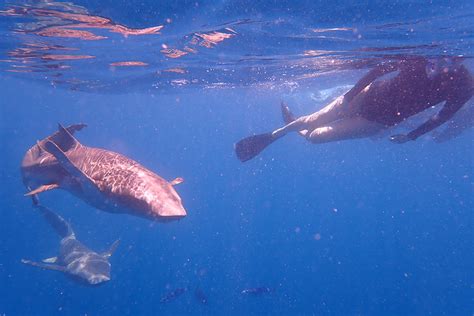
171, 208
98, 279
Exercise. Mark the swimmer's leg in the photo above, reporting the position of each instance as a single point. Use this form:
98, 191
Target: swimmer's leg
250, 147
288, 117
334, 111
348, 128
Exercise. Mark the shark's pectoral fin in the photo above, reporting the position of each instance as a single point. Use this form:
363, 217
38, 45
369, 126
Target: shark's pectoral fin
63, 160
50, 260
75, 127
42, 188
176, 181
87, 184
111, 250
64, 139
54, 267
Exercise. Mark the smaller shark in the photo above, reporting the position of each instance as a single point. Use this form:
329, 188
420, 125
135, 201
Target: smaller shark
75, 260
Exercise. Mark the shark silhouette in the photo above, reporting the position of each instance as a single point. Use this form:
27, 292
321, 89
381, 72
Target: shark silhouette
104, 179
74, 259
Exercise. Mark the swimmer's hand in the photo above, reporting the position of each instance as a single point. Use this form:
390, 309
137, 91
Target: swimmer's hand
399, 138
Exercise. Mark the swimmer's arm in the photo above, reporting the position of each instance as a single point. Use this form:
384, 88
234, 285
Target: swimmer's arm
370, 77
447, 112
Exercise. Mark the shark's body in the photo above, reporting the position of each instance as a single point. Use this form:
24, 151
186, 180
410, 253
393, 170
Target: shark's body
104, 179
74, 259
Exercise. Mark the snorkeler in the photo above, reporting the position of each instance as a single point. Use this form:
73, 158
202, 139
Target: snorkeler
373, 105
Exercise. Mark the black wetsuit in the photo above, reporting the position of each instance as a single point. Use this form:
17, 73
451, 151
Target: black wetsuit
411, 91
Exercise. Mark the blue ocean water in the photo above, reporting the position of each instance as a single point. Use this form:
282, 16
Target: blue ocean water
360, 227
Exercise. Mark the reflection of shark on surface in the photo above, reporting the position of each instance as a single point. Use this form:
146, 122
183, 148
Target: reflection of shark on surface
74, 259
104, 179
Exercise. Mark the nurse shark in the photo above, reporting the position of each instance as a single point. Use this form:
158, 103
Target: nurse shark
75, 260
104, 179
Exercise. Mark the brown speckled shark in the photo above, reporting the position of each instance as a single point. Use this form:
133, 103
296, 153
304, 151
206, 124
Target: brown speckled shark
104, 179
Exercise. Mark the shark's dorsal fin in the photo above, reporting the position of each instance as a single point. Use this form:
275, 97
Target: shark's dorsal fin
111, 250
176, 181
63, 137
87, 184
50, 260
45, 187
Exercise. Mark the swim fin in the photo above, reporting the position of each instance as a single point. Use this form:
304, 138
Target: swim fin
250, 147
288, 117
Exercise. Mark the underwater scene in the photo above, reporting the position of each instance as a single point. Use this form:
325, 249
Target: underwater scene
237, 157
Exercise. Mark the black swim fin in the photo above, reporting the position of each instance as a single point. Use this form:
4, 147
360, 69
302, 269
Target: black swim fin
250, 147
288, 117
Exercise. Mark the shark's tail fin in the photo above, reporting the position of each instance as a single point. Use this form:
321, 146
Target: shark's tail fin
59, 224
